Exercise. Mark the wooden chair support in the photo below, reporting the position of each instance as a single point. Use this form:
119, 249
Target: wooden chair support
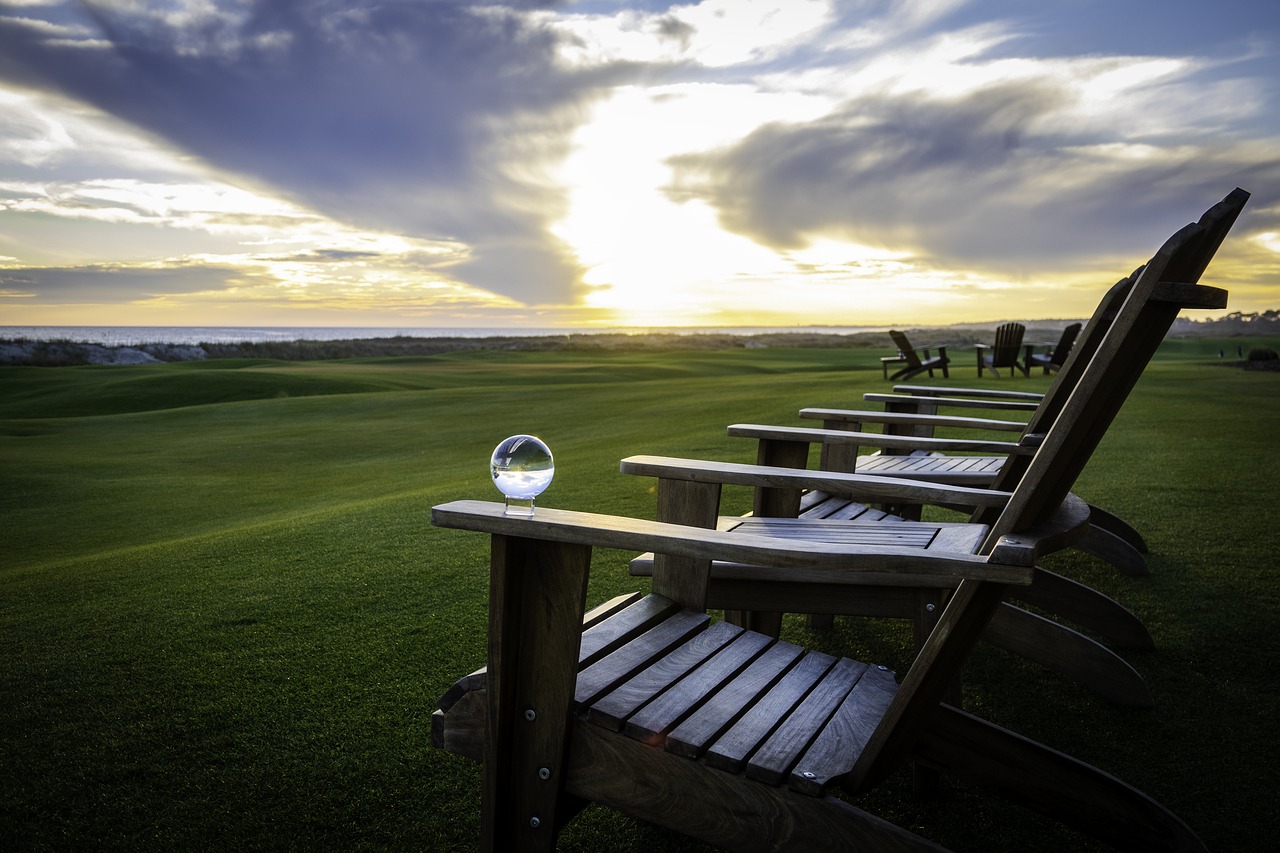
725, 735
651, 707
533, 647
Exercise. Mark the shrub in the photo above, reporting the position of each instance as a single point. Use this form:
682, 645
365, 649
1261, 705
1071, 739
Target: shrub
1262, 354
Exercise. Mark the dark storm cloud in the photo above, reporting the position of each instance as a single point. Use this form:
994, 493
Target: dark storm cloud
426, 118
111, 284
975, 181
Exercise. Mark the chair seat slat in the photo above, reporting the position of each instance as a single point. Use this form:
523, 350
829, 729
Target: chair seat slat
619, 666
774, 759
817, 504
833, 752
985, 467
733, 696
731, 750
612, 709
962, 537
612, 633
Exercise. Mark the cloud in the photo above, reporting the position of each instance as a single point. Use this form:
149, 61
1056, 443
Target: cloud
309, 283
435, 119
1002, 172
99, 284
616, 155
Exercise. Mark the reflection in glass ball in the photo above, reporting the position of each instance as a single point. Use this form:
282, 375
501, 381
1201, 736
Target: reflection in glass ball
522, 467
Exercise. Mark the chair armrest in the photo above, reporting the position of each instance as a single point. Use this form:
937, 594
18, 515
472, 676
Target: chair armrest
633, 534
983, 393
877, 439
853, 416
858, 486
1066, 524
956, 402
1187, 295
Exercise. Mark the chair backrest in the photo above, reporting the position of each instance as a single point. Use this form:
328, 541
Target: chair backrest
904, 347
1187, 267
1148, 310
1063, 347
1008, 345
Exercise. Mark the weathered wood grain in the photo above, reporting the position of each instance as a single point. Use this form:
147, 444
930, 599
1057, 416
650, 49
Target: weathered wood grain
767, 711
736, 679
612, 710
774, 758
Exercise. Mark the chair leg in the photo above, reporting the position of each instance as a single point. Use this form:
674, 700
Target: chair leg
1069, 652
1085, 607
1112, 549
767, 622
1112, 523
537, 591
821, 621
1030, 773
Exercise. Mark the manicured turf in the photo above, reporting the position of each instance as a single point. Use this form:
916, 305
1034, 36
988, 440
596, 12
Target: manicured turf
224, 618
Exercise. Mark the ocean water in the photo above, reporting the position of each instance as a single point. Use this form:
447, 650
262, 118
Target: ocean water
136, 335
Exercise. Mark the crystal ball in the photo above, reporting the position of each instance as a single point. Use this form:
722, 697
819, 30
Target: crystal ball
522, 467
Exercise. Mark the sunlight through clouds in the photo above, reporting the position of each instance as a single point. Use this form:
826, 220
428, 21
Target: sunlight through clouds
606, 162
642, 249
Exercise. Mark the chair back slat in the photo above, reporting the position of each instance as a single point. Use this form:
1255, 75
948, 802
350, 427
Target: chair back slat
1008, 345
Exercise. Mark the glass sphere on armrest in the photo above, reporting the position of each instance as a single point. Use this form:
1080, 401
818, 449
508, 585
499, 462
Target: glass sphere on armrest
522, 467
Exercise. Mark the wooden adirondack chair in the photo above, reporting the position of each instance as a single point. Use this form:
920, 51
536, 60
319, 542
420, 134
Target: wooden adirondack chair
649, 707
1057, 355
915, 365
917, 411
826, 509
1005, 352
908, 448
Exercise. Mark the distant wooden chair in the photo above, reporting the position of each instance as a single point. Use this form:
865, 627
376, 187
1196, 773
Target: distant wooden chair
1057, 355
915, 365
648, 706
1005, 352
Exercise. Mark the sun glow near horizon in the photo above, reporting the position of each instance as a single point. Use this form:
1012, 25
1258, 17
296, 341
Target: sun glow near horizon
604, 164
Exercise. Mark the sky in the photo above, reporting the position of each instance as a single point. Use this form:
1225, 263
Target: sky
599, 163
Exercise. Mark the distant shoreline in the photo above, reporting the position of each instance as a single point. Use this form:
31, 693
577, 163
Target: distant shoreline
138, 335
18, 350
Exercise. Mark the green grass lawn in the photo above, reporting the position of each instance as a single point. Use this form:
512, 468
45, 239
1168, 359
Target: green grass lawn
225, 620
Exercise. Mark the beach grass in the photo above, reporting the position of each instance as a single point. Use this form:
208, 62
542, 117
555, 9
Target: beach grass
225, 619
